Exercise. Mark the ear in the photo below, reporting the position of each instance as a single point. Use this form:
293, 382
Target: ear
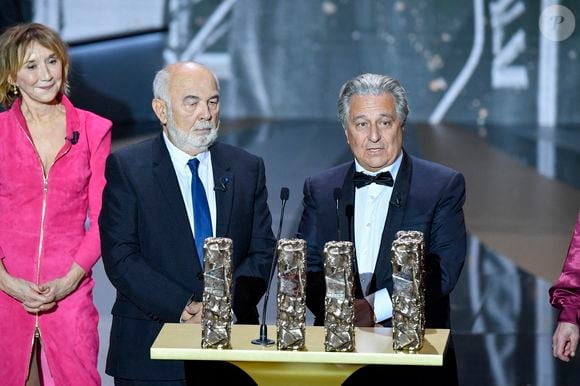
346, 135
160, 109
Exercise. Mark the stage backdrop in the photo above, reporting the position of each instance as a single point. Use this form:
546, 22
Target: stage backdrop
480, 62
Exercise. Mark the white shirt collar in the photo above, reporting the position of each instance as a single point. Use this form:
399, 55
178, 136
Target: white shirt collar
179, 158
392, 168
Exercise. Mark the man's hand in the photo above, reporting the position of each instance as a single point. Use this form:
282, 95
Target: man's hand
364, 315
192, 313
565, 341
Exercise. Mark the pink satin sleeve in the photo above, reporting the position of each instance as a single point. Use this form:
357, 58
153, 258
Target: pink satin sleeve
565, 294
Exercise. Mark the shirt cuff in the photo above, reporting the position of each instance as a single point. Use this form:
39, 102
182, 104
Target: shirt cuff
382, 304
569, 315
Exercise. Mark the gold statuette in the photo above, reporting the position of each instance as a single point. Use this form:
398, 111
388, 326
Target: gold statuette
291, 319
407, 255
216, 316
339, 300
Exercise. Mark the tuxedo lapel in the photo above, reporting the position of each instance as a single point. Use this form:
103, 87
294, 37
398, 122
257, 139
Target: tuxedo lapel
224, 189
383, 268
346, 220
164, 175
347, 199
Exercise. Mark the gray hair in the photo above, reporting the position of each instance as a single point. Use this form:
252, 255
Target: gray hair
161, 84
372, 84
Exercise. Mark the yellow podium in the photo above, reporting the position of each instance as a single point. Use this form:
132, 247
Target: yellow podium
312, 366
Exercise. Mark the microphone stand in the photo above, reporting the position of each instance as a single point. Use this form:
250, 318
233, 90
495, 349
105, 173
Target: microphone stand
349, 211
337, 194
263, 340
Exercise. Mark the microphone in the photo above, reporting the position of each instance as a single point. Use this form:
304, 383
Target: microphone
263, 339
396, 201
337, 195
223, 186
349, 211
74, 139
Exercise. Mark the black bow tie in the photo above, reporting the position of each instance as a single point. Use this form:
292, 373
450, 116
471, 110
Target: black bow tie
361, 179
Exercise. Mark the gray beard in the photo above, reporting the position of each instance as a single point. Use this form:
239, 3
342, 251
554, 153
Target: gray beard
189, 141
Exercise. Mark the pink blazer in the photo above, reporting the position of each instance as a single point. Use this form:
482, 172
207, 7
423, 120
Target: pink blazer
45, 225
565, 294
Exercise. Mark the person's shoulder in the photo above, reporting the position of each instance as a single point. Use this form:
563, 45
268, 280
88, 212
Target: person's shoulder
138, 150
92, 120
231, 151
338, 171
329, 178
434, 176
426, 166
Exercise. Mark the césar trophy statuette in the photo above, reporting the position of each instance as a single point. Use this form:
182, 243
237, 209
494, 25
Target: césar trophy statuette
291, 298
339, 300
407, 255
216, 317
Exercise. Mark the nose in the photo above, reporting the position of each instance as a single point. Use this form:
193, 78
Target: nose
374, 133
45, 72
205, 112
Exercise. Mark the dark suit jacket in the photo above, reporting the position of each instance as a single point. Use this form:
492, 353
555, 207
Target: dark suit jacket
427, 197
149, 253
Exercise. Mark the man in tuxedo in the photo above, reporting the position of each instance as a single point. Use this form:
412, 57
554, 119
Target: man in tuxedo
383, 190
163, 197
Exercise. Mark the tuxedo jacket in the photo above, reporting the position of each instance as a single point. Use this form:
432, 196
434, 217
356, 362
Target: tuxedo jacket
149, 252
426, 197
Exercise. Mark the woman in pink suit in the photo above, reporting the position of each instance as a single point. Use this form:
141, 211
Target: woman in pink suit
52, 161
565, 296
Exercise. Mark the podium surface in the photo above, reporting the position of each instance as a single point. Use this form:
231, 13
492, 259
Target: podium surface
269, 366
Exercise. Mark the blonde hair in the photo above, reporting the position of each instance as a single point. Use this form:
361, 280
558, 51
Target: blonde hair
13, 45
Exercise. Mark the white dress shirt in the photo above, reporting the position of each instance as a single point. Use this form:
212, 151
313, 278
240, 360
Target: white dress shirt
371, 205
179, 158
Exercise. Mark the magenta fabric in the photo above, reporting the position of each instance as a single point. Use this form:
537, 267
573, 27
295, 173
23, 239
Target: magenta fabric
565, 294
39, 251
47, 379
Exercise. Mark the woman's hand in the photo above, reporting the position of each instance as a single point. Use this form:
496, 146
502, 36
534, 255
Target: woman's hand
63, 286
565, 341
32, 297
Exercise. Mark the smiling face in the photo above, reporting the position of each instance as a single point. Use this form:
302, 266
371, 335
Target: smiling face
374, 131
41, 75
191, 118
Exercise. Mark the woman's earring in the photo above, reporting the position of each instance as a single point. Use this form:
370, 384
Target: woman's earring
14, 89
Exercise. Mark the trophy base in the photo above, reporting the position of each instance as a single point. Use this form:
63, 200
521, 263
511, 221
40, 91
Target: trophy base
263, 341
